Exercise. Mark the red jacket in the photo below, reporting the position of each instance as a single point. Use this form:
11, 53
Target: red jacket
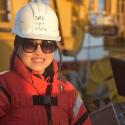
23, 99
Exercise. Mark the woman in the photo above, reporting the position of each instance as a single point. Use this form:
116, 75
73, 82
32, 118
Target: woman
33, 92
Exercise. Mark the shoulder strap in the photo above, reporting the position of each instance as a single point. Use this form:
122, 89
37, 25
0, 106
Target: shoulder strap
48, 107
2, 88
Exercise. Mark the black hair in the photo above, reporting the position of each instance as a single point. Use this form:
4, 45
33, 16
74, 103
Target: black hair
49, 73
17, 43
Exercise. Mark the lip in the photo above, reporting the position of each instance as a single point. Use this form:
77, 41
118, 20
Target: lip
38, 60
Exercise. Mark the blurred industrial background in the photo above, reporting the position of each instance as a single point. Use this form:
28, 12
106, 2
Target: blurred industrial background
92, 31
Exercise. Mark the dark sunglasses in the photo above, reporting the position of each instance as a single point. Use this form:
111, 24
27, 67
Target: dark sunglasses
47, 46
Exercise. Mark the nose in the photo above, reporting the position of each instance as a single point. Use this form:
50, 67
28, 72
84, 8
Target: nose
39, 50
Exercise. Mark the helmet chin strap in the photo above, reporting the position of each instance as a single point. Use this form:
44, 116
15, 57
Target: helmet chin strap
60, 58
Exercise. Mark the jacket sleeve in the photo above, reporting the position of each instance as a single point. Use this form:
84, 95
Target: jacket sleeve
78, 112
4, 99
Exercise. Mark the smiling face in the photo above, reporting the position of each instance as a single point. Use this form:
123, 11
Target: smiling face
37, 60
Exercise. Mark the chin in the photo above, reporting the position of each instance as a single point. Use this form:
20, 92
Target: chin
38, 70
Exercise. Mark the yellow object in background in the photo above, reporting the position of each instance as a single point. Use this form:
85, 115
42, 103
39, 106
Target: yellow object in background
5, 54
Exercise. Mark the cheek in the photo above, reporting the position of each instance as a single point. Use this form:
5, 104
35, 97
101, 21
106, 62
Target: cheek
49, 59
26, 58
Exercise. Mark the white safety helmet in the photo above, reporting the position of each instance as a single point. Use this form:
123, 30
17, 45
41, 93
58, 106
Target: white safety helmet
37, 20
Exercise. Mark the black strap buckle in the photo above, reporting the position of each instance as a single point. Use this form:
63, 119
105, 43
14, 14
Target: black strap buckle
47, 100
44, 100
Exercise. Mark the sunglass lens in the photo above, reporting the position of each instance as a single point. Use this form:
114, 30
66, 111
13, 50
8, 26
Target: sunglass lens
48, 46
29, 45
